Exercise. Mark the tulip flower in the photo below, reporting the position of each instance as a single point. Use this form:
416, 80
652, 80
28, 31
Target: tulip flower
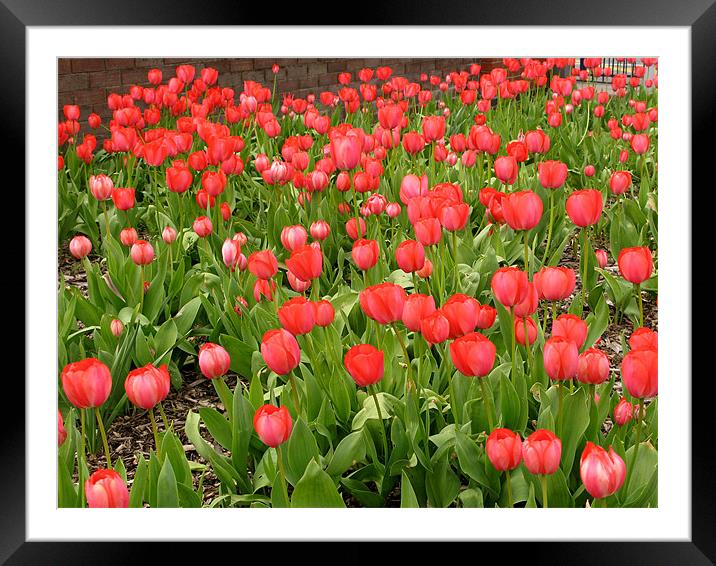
86, 383
417, 307
365, 253
273, 425
542, 452
293, 237
435, 327
142, 253
80, 246
116, 327
297, 315
214, 360
365, 364
61, 432
323, 313
320, 230
169, 235
123, 198
306, 263
263, 264
410, 255
383, 303
640, 373
106, 488
473, 354
571, 327
561, 358
147, 386
644, 339
636, 266
602, 472
623, 412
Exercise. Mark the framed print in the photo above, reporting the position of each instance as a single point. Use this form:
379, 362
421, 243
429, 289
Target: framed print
413, 290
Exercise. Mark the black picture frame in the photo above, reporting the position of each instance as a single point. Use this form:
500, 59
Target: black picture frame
699, 15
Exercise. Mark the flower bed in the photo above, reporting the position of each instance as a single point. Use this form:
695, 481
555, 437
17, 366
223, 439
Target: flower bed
438, 293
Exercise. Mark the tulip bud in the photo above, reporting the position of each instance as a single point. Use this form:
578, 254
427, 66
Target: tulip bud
602, 473
86, 383
623, 412
320, 230
101, 187
504, 449
273, 425
116, 327
128, 236
147, 386
214, 361
106, 488
365, 364
473, 355
365, 253
561, 358
80, 246
169, 235
323, 313
593, 367
142, 252
640, 373
635, 264
61, 432
542, 451
280, 351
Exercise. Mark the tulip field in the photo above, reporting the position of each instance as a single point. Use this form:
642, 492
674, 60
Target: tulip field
433, 291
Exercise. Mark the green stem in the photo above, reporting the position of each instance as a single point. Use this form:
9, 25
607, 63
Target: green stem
489, 409
527, 253
82, 458
164, 416
382, 426
637, 288
141, 291
543, 481
294, 392
107, 233
630, 470
454, 255
510, 499
104, 437
405, 354
586, 264
282, 472
514, 345
551, 223
155, 432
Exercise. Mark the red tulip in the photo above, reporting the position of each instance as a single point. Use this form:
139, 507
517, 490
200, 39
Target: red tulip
142, 252
486, 317
435, 327
265, 288
101, 187
297, 315
263, 264
169, 235
593, 367
214, 361
635, 264
433, 128
462, 313
504, 449
202, 226
640, 143
346, 151
106, 488
644, 339
602, 473
542, 451
365, 364
561, 358
529, 304
280, 351
537, 141
352, 229
123, 198
571, 327
619, 182
585, 207
623, 412
640, 373
320, 230
552, 174
61, 432
417, 307
116, 327
506, 169
365, 253
273, 425
509, 285
306, 263
520, 331
323, 313
410, 256
602, 258
555, 283
413, 186
428, 231
454, 217
383, 303
80, 246
293, 237
86, 383
128, 236
147, 386
473, 354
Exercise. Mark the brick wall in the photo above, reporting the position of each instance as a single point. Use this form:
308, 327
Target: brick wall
88, 82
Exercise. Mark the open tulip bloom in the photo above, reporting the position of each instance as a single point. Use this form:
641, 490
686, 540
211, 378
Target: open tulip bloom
395, 284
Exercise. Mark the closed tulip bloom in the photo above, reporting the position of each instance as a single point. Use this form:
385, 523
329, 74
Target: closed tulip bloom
520, 331
116, 327
263, 264
413, 186
106, 488
383, 303
529, 305
473, 355
101, 187
392, 209
280, 351
542, 451
571, 327
506, 169
410, 256
80, 246
306, 263
589, 171
61, 432
346, 151
585, 207
86, 383
509, 285
178, 179
417, 306
169, 235
555, 283
214, 360
623, 412
352, 230
593, 367
602, 472
644, 339
273, 425
230, 253
323, 313
365, 253
561, 358
486, 317
147, 386
602, 258
640, 143
433, 128
293, 237
320, 230
619, 182
365, 364
462, 313
428, 231
640, 373
635, 264
128, 236
435, 327
552, 174
297, 315
265, 288
427, 269
123, 198
504, 449
142, 252
454, 217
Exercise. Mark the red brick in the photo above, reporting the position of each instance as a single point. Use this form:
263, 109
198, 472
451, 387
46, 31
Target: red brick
105, 79
288, 86
315, 69
148, 63
297, 71
116, 63
263, 63
89, 64
90, 96
134, 77
242, 65
72, 82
